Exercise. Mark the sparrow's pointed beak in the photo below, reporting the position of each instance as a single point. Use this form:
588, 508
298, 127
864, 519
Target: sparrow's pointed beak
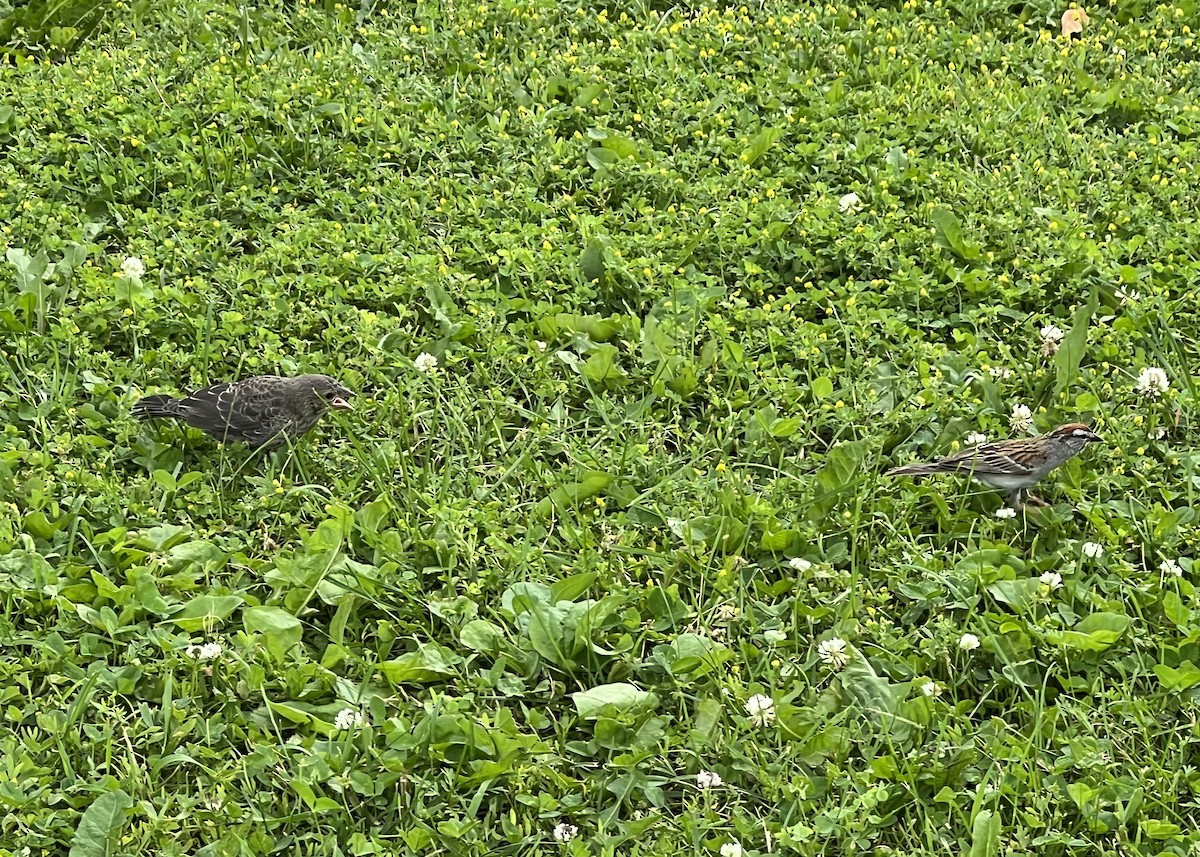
340, 403
1095, 438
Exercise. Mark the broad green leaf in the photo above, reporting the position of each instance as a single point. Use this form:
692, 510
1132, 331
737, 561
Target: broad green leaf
622, 147
571, 588
691, 656
481, 635
1018, 594
985, 834
100, 826
874, 695
281, 629
572, 493
1094, 634
1153, 828
760, 144
1185, 676
1074, 344
603, 365
610, 699
822, 387
600, 159
950, 234
551, 632
162, 538
429, 663
205, 612
591, 261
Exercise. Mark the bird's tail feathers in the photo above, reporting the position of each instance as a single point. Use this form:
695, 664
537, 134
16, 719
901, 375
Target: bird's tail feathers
915, 470
153, 407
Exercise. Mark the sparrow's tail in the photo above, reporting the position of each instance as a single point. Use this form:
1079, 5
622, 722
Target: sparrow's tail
916, 470
154, 407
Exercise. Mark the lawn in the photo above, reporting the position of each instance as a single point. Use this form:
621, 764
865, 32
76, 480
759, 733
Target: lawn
640, 301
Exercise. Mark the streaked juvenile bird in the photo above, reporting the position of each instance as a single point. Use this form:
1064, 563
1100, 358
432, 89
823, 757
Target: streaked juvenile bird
1011, 465
262, 411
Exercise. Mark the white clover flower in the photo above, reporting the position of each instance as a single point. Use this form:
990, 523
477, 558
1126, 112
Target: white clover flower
1127, 296
1005, 512
931, 689
834, 652
133, 268
708, 780
1152, 382
975, 438
968, 642
1021, 419
774, 636
425, 362
1000, 373
1051, 579
1092, 550
1159, 433
349, 718
761, 710
731, 849
204, 652
849, 202
564, 832
800, 564
1171, 567
1051, 335
541, 346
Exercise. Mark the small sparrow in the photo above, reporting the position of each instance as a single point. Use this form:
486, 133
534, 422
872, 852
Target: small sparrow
260, 411
1012, 465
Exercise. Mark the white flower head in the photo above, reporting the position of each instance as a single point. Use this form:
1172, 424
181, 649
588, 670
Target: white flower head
731, 849
204, 652
425, 362
931, 689
1051, 580
1152, 382
850, 202
708, 780
565, 832
348, 718
1171, 567
1021, 419
1051, 337
1052, 333
834, 652
800, 564
133, 268
968, 642
1092, 550
761, 710
975, 438
1127, 296
1005, 512
1000, 373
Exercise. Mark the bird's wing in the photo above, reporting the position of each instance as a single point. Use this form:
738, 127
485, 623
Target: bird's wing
985, 460
231, 411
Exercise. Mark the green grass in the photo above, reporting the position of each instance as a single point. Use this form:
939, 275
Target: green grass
549, 574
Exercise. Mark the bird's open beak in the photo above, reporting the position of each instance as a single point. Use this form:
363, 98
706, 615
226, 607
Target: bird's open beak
340, 403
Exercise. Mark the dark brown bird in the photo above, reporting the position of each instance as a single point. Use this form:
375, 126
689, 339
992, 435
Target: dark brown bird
260, 411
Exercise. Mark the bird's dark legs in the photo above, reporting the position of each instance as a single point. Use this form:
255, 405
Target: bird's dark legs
1019, 498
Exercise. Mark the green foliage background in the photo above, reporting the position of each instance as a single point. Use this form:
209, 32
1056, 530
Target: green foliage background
642, 484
